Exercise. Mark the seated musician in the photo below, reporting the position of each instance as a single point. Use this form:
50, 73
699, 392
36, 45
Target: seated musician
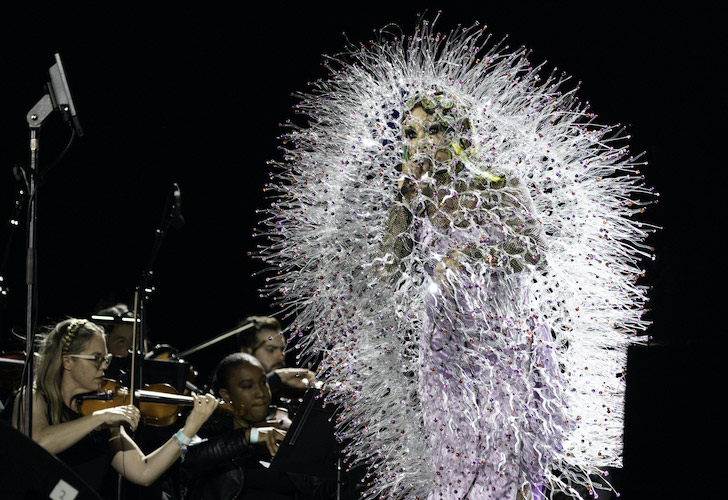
72, 360
118, 322
267, 343
227, 463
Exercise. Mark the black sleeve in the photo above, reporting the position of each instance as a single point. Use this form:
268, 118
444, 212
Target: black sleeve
214, 451
274, 380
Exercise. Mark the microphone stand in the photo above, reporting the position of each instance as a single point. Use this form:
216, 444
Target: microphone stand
170, 217
57, 96
35, 118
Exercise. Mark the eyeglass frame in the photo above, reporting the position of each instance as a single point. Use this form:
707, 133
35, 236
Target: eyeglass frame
96, 358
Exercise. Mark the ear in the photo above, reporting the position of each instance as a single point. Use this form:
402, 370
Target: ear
224, 394
67, 362
246, 350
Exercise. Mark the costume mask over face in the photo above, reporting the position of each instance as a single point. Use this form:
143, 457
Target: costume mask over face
437, 162
425, 142
433, 135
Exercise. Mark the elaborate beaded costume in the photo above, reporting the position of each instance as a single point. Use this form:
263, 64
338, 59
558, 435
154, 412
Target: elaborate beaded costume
453, 233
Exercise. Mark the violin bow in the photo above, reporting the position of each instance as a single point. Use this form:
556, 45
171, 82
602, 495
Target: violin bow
216, 339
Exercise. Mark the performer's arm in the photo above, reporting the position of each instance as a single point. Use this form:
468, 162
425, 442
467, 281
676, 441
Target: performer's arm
142, 469
59, 437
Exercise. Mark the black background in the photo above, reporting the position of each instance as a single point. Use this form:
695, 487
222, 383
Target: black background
195, 94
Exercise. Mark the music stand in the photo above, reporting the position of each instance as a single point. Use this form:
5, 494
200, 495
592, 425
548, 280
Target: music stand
310, 446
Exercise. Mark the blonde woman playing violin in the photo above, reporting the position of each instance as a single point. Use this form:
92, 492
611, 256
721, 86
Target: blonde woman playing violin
73, 357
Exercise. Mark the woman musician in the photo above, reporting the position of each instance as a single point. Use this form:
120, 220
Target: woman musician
226, 464
72, 360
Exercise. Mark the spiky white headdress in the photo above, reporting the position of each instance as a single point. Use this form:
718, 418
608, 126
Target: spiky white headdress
472, 320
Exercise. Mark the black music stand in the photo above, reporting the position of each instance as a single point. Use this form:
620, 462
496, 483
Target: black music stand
28, 472
310, 446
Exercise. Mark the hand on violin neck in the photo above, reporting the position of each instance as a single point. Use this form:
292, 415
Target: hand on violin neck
202, 407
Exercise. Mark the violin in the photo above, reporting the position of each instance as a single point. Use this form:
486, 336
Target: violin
159, 404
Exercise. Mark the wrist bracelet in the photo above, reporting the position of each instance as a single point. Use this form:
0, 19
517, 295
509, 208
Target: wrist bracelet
182, 442
253, 435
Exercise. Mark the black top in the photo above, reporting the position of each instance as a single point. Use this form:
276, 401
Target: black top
225, 466
214, 468
90, 458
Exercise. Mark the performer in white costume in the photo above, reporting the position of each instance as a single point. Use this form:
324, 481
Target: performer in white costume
454, 233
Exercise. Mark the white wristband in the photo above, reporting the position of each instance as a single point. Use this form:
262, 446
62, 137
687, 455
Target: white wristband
181, 438
182, 442
253, 435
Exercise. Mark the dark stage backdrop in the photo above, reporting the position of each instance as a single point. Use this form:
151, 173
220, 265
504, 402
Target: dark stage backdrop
195, 94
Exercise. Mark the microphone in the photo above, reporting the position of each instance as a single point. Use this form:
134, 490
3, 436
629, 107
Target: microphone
176, 216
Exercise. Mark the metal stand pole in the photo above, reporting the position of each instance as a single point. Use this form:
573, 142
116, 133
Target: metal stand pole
35, 118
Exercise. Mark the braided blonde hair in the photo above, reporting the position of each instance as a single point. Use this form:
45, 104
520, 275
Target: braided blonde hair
70, 336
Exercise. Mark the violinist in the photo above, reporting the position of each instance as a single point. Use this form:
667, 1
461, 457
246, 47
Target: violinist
226, 464
118, 322
72, 360
267, 343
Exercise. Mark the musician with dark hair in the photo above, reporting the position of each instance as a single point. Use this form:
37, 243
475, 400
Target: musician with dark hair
226, 463
118, 322
267, 343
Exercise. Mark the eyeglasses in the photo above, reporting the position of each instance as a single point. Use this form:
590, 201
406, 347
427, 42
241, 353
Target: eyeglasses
98, 359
